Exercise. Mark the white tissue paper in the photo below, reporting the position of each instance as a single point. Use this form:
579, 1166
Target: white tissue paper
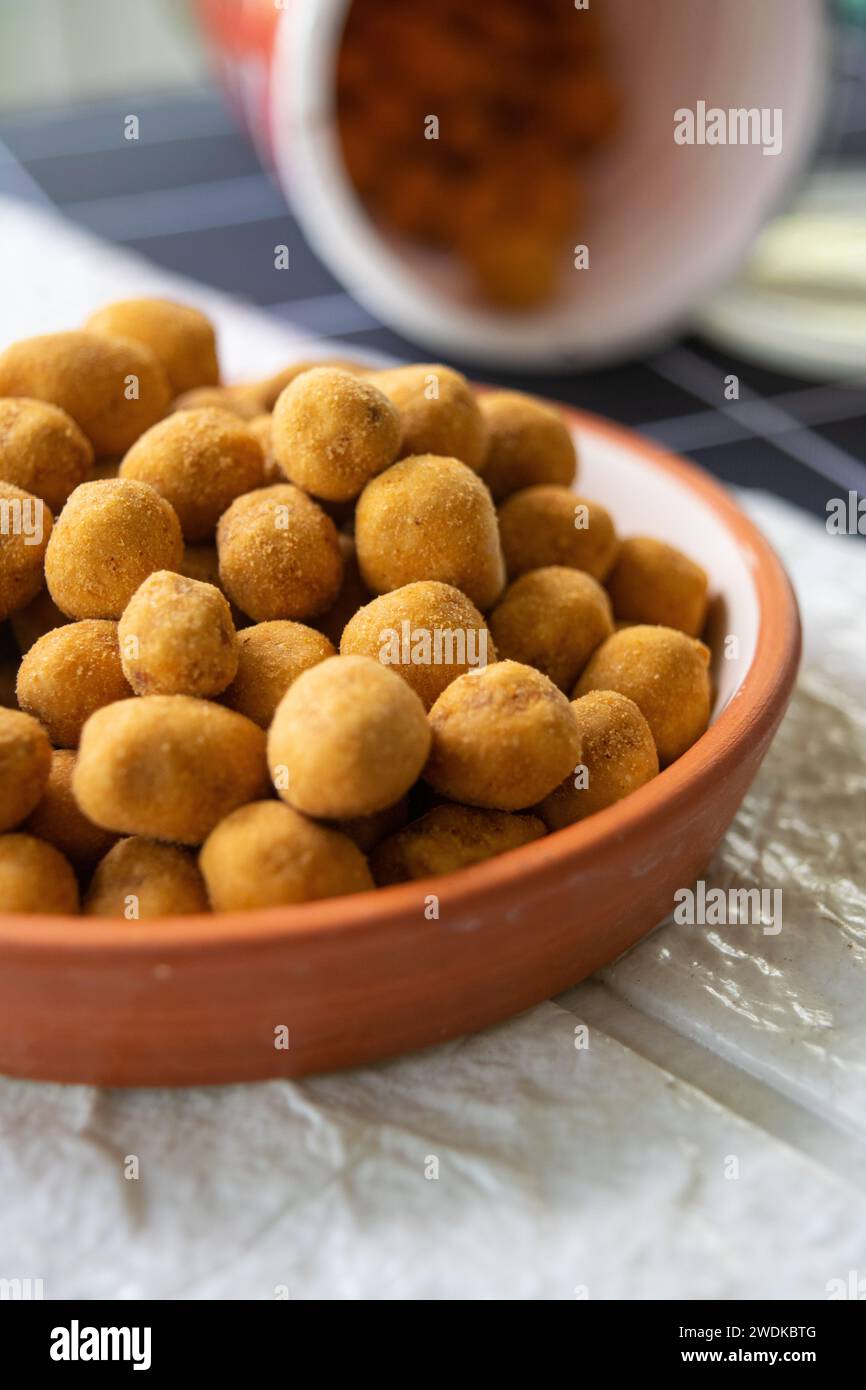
708, 1143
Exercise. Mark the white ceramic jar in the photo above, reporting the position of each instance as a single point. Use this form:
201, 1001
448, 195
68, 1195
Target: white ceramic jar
670, 221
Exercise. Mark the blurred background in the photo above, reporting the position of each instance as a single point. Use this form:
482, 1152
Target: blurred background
195, 194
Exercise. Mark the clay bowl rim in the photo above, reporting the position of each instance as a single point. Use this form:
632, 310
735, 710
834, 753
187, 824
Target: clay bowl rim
756, 705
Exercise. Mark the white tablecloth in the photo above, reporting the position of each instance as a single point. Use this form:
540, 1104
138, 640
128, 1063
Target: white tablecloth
708, 1143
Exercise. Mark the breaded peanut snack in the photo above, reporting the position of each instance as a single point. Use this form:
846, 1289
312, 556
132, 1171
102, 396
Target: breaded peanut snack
333, 432
140, 878
552, 619
42, 449
59, 819
70, 672
503, 738
270, 657
177, 638
113, 388
267, 855
25, 764
279, 554
109, 537
548, 525
203, 563
273, 387
515, 269
655, 583
438, 412
525, 93
665, 673
40, 616
180, 337
617, 755
367, 831
168, 766
353, 594
429, 518
448, 838
35, 877
515, 223
529, 444
199, 461
428, 633
262, 427
348, 739
243, 401
25, 529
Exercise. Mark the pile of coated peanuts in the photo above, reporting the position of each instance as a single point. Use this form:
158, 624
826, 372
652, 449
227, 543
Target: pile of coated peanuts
297, 638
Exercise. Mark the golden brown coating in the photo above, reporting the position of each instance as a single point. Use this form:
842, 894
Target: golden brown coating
653, 582
617, 755
25, 529
353, 594
113, 388
177, 638
243, 401
514, 269
665, 673
180, 337
168, 766
69, 673
552, 619
267, 855
199, 461
529, 444
25, 765
398, 562
333, 432
548, 525
428, 633
262, 427
429, 518
272, 387
367, 831
438, 412
42, 449
448, 838
203, 563
140, 879
348, 739
109, 537
35, 877
279, 554
40, 616
59, 820
517, 222
270, 657
503, 737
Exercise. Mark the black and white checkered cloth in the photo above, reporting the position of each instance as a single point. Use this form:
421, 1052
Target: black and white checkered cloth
192, 196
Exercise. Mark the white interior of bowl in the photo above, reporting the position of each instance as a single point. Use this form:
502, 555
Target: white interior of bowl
646, 501
670, 221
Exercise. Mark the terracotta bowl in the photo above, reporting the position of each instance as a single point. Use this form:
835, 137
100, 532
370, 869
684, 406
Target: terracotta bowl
202, 999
